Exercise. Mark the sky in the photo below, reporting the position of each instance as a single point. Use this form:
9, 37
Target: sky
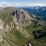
21, 3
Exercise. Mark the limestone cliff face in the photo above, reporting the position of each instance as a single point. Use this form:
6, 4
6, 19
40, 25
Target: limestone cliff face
21, 17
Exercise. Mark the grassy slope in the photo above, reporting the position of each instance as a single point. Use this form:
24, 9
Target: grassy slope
14, 37
6, 17
0, 43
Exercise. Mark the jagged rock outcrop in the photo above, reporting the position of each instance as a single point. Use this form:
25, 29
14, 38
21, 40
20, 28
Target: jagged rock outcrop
21, 17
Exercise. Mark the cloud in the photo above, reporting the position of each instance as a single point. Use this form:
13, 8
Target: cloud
37, 4
14, 4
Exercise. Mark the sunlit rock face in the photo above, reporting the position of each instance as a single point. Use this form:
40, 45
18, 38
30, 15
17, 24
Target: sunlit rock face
21, 17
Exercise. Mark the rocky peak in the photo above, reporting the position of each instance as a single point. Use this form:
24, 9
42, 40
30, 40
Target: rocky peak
21, 17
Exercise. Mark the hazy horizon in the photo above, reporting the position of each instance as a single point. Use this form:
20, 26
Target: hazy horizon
22, 3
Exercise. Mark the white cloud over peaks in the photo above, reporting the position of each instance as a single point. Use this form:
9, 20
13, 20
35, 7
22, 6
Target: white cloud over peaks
13, 4
38, 4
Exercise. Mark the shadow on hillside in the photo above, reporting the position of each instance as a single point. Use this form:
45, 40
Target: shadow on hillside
38, 34
41, 36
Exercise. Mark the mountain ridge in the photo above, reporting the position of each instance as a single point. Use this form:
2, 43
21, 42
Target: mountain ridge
21, 33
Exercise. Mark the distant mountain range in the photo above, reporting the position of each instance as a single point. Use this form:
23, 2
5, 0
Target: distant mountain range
38, 11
